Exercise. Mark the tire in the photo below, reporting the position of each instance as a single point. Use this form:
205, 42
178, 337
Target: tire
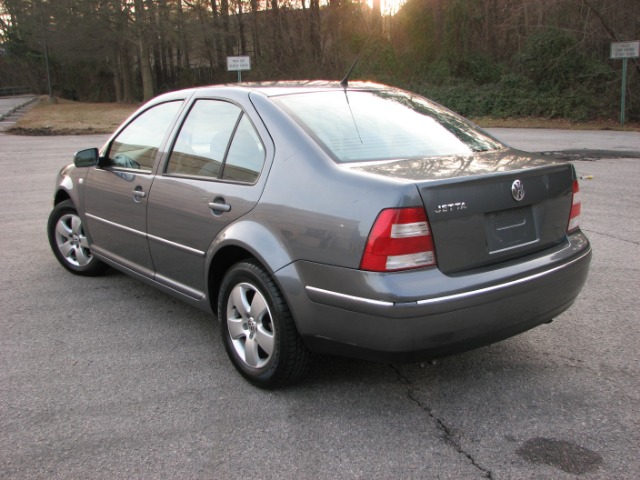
69, 243
257, 328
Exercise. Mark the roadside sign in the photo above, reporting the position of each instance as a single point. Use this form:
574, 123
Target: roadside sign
238, 63
625, 50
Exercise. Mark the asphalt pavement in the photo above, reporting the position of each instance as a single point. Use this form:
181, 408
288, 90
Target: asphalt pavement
108, 378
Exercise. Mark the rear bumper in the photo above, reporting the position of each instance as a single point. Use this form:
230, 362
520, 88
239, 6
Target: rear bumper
424, 314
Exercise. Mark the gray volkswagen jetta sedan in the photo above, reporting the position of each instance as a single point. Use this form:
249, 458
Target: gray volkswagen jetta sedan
358, 220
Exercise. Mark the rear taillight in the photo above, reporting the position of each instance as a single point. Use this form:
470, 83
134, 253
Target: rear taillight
574, 217
399, 240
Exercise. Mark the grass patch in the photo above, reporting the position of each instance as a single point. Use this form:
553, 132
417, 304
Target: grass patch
64, 117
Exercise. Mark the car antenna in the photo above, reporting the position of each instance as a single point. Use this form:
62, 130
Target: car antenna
344, 83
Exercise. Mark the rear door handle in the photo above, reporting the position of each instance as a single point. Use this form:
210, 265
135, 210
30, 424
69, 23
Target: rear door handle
219, 207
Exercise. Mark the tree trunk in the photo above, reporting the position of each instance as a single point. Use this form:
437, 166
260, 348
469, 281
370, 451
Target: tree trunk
143, 51
124, 63
243, 40
254, 33
314, 30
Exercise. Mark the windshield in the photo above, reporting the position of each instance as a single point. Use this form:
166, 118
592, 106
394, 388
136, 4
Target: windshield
356, 126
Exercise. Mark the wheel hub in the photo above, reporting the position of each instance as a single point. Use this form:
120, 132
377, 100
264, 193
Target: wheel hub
252, 326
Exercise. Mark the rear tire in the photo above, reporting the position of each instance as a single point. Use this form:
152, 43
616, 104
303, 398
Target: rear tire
257, 328
69, 243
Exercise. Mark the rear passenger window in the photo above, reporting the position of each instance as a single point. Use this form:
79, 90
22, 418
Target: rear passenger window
246, 154
203, 139
217, 140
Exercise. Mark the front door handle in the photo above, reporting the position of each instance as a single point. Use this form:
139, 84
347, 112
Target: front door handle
139, 194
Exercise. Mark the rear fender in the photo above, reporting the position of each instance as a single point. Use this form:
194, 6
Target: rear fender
265, 246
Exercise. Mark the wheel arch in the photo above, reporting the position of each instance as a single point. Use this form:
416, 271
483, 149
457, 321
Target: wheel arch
60, 196
220, 264
231, 247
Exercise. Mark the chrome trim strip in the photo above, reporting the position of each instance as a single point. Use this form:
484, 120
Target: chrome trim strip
179, 246
493, 288
116, 225
150, 237
514, 247
515, 225
446, 298
344, 296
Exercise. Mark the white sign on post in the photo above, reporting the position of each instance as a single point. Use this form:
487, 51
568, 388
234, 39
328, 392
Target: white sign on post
238, 63
625, 50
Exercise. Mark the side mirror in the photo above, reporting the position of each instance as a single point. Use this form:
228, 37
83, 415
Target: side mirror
86, 158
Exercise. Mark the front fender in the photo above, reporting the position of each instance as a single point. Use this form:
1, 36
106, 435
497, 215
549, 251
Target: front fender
67, 185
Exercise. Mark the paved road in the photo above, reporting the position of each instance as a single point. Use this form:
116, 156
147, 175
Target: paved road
107, 378
537, 140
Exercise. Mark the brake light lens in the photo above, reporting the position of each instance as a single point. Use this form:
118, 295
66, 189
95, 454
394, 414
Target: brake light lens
576, 206
399, 240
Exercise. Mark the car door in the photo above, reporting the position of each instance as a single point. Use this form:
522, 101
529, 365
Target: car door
212, 178
116, 192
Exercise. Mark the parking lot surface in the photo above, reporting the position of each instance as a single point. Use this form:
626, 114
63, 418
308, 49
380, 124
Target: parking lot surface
108, 378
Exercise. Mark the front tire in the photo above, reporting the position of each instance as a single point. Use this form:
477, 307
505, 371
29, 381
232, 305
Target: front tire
69, 243
257, 328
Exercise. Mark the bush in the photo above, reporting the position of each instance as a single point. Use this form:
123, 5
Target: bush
515, 96
553, 60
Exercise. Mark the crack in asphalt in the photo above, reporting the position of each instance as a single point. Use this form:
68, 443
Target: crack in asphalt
611, 236
449, 436
589, 155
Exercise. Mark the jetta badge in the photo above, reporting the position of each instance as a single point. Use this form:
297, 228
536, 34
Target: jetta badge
517, 190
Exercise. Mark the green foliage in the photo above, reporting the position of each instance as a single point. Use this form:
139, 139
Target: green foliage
480, 69
553, 60
415, 37
494, 90
516, 96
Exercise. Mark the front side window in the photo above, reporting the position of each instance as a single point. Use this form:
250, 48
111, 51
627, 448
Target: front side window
137, 145
217, 140
356, 126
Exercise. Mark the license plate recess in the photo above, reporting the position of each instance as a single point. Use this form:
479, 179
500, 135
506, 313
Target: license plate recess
509, 229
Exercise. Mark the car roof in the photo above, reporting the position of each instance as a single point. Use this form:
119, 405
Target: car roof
289, 87
276, 88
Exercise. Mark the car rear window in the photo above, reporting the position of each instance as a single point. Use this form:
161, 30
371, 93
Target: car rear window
357, 126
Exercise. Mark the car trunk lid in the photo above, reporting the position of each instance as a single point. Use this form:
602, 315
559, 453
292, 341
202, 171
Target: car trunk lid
488, 208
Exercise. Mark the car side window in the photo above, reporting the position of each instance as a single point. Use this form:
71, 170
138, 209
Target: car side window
217, 140
203, 139
246, 154
137, 145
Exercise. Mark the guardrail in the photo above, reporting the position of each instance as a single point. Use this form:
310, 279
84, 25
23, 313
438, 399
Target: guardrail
10, 91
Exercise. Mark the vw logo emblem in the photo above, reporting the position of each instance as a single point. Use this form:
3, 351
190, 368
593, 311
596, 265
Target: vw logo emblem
517, 190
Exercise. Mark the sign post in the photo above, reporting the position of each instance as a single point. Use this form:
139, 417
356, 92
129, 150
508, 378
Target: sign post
624, 51
238, 64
